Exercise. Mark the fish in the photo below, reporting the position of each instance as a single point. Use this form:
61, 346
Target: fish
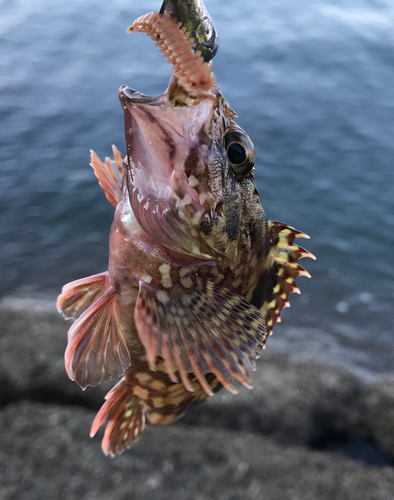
197, 275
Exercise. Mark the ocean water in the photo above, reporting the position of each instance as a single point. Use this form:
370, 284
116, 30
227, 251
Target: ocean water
312, 82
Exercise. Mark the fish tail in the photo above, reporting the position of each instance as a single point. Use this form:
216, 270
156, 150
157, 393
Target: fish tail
79, 295
124, 414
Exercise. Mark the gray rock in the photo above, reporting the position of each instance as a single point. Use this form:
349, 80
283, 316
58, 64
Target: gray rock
293, 401
45, 454
378, 405
32, 349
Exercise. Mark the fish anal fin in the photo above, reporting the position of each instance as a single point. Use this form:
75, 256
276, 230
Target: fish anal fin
78, 295
284, 256
96, 350
200, 329
109, 175
124, 414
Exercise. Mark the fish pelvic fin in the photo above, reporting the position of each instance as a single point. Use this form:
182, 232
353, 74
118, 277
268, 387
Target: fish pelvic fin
201, 329
284, 256
124, 414
78, 295
109, 175
96, 350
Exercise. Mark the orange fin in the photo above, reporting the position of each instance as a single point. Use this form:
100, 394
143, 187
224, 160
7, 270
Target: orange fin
125, 417
96, 350
203, 329
284, 256
78, 295
109, 175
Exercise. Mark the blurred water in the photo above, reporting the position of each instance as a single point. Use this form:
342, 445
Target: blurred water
312, 82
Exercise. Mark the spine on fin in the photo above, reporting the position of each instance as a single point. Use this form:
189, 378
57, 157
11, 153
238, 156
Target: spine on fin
79, 295
124, 414
109, 175
96, 350
284, 256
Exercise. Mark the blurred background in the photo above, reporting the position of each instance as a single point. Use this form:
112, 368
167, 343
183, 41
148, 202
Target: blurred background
312, 82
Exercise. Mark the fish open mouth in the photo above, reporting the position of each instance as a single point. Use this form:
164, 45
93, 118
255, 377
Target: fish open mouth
135, 97
161, 138
163, 133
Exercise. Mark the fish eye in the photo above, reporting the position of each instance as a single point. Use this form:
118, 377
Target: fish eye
240, 151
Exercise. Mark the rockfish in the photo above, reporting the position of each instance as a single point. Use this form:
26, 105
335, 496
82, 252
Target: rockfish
197, 275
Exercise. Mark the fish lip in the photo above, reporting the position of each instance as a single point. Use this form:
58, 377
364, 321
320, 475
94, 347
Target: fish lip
132, 96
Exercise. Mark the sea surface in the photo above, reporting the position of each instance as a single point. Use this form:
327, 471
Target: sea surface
313, 84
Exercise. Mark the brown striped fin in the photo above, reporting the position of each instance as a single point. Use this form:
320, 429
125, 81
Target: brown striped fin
200, 328
125, 417
109, 175
96, 350
284, 256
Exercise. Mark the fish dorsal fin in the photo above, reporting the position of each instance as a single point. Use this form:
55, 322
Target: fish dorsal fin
125, 417
283, 257
200, 328
96, 350
79, 295
109, 175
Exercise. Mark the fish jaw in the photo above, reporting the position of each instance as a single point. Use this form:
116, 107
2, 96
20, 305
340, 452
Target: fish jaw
159, 137
170, 143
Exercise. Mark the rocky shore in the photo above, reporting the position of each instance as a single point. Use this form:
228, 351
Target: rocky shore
306, 431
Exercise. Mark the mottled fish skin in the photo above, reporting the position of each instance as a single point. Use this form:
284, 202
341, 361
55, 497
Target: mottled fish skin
197, 276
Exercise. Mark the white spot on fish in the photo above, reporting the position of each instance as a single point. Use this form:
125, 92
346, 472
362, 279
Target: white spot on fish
166, 280
147, 278
184, 271
193, 181
163, 297
186, 282
185, 201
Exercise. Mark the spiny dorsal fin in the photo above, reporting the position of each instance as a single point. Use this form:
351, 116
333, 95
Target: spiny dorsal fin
109, 175
283, 257
125, 417
201, 329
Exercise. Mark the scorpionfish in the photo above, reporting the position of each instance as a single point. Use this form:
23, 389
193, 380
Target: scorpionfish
197, 275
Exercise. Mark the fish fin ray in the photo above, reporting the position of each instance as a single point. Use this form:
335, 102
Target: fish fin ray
96, 350
79, 295
204, 329
284, 256
124, 414
109, 175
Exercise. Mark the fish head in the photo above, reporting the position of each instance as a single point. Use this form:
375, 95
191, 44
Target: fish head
188, 167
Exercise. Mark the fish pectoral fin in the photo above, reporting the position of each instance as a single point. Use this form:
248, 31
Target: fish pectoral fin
78, 295
284, 256
124, 414
96, 350
109, 175
203, 329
